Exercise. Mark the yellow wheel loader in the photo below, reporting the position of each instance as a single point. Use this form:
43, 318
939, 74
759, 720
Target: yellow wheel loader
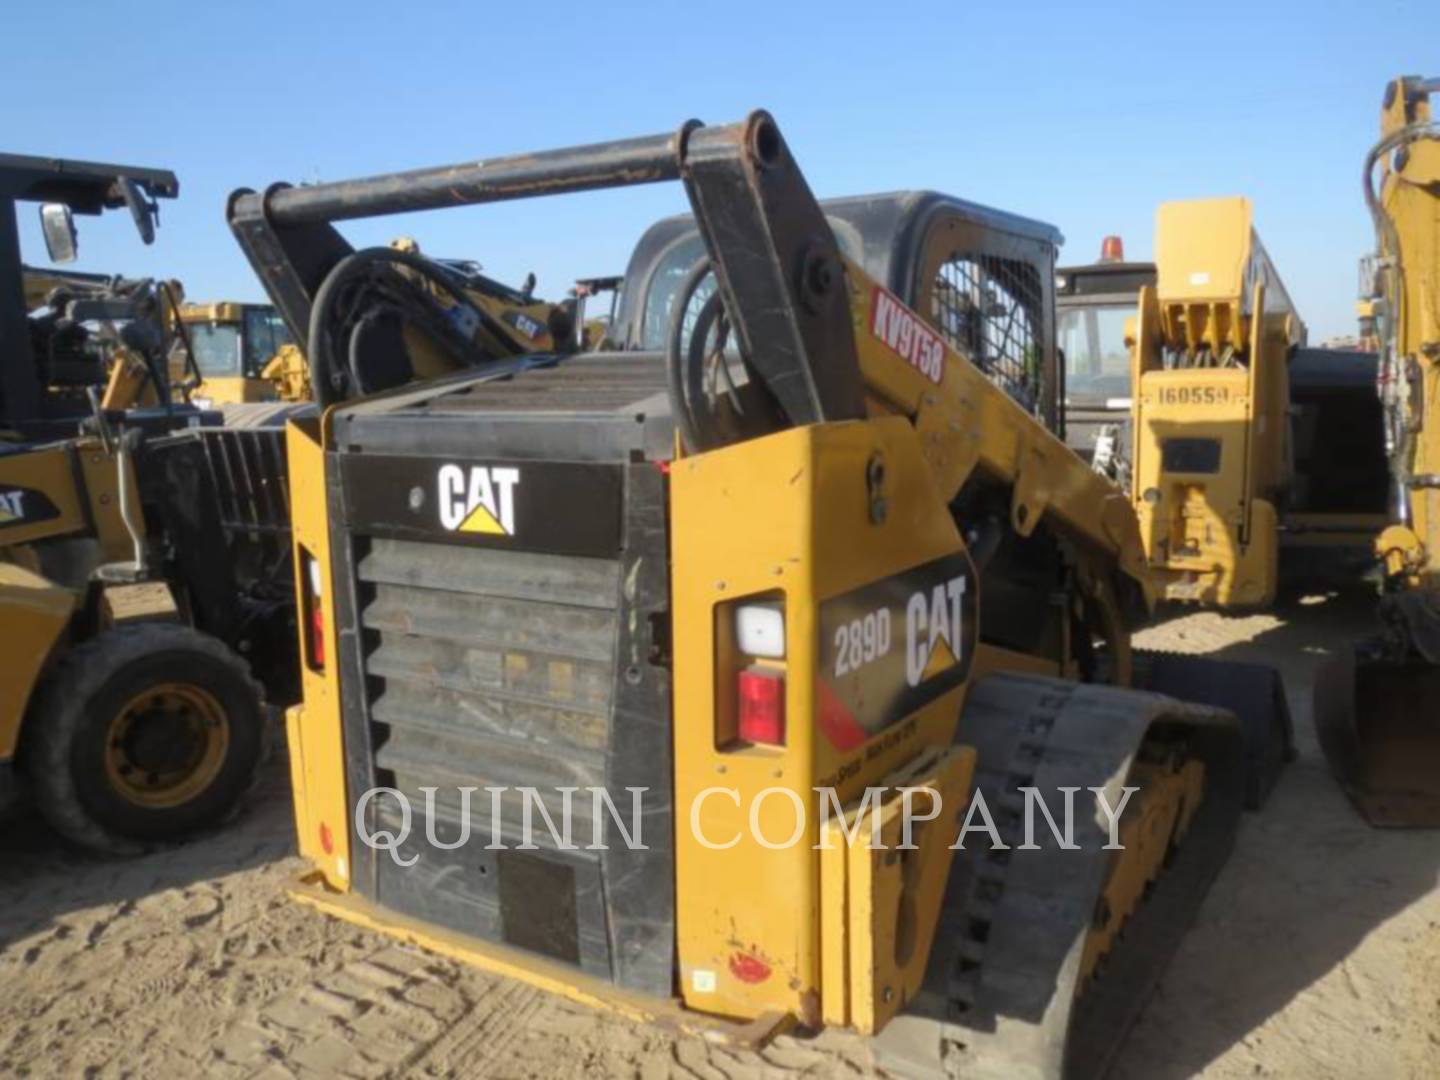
1377, 710
1244, 442
806, 541
143, 560
236, 351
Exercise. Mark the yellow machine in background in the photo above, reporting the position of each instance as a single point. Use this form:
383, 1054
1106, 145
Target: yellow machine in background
1378, 712
794, 536
1210, 403
245, 352
238, 353
1236, 425
136, 578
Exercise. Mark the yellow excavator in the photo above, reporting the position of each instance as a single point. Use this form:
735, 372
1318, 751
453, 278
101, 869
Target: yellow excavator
1377, 710
807, 532
1245, 441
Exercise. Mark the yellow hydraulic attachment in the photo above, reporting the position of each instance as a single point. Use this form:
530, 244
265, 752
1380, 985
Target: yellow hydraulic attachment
1212, 456
1377, 712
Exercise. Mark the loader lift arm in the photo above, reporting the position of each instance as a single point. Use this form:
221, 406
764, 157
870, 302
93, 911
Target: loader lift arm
766, 237
771, 241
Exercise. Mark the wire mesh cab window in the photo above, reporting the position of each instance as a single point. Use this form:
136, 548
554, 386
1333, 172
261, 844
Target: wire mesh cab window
992, 297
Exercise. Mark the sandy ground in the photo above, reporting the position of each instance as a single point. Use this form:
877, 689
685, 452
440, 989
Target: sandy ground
1317, 953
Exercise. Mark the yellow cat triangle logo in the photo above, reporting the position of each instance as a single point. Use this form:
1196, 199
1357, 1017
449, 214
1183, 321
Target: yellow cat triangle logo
941, 659
481, 520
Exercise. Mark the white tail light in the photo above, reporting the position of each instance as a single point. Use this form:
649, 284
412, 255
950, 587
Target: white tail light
760, 630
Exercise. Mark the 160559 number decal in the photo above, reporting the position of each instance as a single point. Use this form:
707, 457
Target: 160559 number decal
861, 640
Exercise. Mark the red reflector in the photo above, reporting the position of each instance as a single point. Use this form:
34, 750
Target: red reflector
762, 706
317, 637
327, 842
1112, 249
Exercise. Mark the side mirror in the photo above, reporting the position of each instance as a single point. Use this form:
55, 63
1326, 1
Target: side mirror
141, 209
58, 225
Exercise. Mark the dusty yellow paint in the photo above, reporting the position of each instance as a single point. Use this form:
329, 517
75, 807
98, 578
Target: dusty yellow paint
1409, 198
234, 390
129, 385
224, 311
754, 519
53, 470
966, 423
34, 612
312, 728
1209, 371
80, 480
881, 900
1156, 821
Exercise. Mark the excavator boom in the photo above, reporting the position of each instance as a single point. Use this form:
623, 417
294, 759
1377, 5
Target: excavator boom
1377, 710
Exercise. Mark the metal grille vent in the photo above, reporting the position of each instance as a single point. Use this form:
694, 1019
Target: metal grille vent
248, 476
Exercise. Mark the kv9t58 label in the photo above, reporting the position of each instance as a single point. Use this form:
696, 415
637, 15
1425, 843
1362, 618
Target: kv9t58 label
894, 645
906, 333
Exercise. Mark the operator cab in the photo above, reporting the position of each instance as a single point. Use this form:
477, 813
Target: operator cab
981, 277
1093, 302
232, 345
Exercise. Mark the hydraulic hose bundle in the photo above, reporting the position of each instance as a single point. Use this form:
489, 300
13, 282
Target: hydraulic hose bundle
356, 334
711, 407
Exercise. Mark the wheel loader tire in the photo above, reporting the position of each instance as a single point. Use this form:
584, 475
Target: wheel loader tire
144, 734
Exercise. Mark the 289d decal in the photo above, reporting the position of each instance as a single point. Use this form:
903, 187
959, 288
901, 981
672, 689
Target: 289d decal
892, 646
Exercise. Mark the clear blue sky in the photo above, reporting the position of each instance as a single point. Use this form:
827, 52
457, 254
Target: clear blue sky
1084, 115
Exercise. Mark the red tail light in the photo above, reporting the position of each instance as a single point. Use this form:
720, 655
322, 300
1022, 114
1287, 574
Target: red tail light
327, 842
1112, 249
312, 611
762, 706
317, 638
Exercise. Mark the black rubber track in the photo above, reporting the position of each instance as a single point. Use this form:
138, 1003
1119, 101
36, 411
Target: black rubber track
999, 997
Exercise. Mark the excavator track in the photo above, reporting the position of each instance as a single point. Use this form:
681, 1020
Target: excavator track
1003, 992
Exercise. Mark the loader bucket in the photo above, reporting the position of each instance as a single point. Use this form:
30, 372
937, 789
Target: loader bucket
1378, 722
1253, 692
